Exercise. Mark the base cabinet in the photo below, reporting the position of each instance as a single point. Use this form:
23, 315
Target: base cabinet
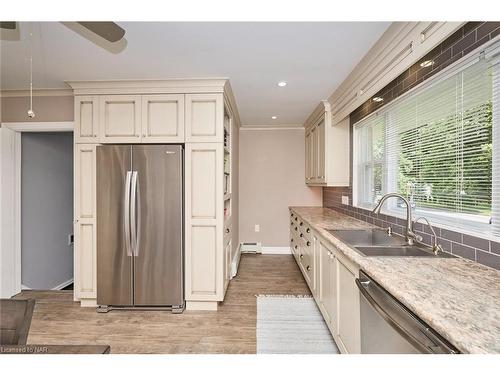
332, 281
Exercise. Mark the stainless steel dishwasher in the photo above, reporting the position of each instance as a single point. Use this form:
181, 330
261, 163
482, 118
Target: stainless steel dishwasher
387, 326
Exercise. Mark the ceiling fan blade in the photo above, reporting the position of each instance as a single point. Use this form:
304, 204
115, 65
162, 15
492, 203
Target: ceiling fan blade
7, 25
107, 30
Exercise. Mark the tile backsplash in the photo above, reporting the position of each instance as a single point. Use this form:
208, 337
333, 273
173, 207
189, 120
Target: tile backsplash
467, 38
466, 246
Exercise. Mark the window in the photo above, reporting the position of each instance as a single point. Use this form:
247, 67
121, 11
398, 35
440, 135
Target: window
435, 146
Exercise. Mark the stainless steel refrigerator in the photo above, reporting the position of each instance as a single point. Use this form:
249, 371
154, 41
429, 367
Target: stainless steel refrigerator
140, 227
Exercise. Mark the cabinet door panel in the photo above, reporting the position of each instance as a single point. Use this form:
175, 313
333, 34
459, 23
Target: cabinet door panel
120, 118
85, 246
325, 280
314, 152
204, 117
321, 152
85, 181
163, 118
309, 157
86, 119
348, 309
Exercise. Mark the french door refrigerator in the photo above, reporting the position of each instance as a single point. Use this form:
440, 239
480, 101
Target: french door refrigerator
140, 227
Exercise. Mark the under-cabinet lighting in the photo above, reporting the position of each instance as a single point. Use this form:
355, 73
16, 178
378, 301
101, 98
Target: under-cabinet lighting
282, 83
427, 63
378, 99
274, 117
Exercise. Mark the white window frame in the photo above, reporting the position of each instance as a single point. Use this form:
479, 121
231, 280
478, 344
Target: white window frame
475, 225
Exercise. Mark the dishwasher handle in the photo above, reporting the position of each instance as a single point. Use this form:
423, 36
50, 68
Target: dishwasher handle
407, 324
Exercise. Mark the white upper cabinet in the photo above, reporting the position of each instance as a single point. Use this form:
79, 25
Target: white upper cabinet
327, 149
86, 119
163, 118
120, 118
204, 114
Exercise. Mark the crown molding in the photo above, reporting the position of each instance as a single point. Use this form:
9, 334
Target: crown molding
232, 102
318, 113
39, 92
271, 127
177, 85
403, 44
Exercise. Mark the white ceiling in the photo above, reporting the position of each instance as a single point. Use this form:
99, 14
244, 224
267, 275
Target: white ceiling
314, 58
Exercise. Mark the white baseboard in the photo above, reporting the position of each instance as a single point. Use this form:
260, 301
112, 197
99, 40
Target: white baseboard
276, 250
24, 287
63, 285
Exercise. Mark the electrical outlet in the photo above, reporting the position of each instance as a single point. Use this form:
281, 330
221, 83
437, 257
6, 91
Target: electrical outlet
71, 239
345, 199
257, 228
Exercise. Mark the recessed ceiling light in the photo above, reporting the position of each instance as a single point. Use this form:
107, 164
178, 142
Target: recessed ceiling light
378, 99
274, 117
427, 63
282, 83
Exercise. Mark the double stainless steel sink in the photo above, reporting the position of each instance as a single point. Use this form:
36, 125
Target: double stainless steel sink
377, 242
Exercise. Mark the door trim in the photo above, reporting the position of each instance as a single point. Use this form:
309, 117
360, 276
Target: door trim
10, 187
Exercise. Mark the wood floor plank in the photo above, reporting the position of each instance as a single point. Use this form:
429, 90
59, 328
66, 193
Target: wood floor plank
231, 329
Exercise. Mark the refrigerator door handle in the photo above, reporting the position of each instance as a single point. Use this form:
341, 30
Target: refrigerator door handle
126, 214
135, 213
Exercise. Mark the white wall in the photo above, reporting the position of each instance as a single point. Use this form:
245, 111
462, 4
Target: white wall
46, 209
272, 164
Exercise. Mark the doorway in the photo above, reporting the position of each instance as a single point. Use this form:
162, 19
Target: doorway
46, 210
36, 206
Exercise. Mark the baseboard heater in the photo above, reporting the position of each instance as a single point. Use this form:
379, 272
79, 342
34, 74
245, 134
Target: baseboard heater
251, 248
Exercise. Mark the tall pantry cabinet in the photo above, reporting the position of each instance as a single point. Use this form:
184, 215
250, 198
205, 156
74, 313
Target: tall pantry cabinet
202, 115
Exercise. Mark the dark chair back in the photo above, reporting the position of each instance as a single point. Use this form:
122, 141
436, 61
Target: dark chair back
15, 320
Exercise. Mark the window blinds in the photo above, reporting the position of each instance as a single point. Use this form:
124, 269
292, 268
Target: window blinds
435, 146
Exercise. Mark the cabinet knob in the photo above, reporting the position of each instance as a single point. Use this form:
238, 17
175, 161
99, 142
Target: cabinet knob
295, 246
295, 229
308, 230
295, 219
301, 235
301, 223
308, 243
291, 240
308, 268
227, 230
301, 256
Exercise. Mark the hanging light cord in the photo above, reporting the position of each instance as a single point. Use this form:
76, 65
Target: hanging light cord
31, 83
31, 113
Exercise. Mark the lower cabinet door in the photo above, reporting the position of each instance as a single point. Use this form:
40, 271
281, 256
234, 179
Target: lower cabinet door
85, 259
327, 283
348, 309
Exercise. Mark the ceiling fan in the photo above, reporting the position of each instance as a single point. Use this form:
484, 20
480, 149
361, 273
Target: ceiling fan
107, 30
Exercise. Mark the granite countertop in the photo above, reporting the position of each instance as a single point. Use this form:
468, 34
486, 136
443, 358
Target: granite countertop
459, 298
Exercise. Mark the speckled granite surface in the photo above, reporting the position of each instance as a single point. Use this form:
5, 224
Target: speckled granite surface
459, 298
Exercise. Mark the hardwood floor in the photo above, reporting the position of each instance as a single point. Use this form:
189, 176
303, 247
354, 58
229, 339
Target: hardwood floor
231, 329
